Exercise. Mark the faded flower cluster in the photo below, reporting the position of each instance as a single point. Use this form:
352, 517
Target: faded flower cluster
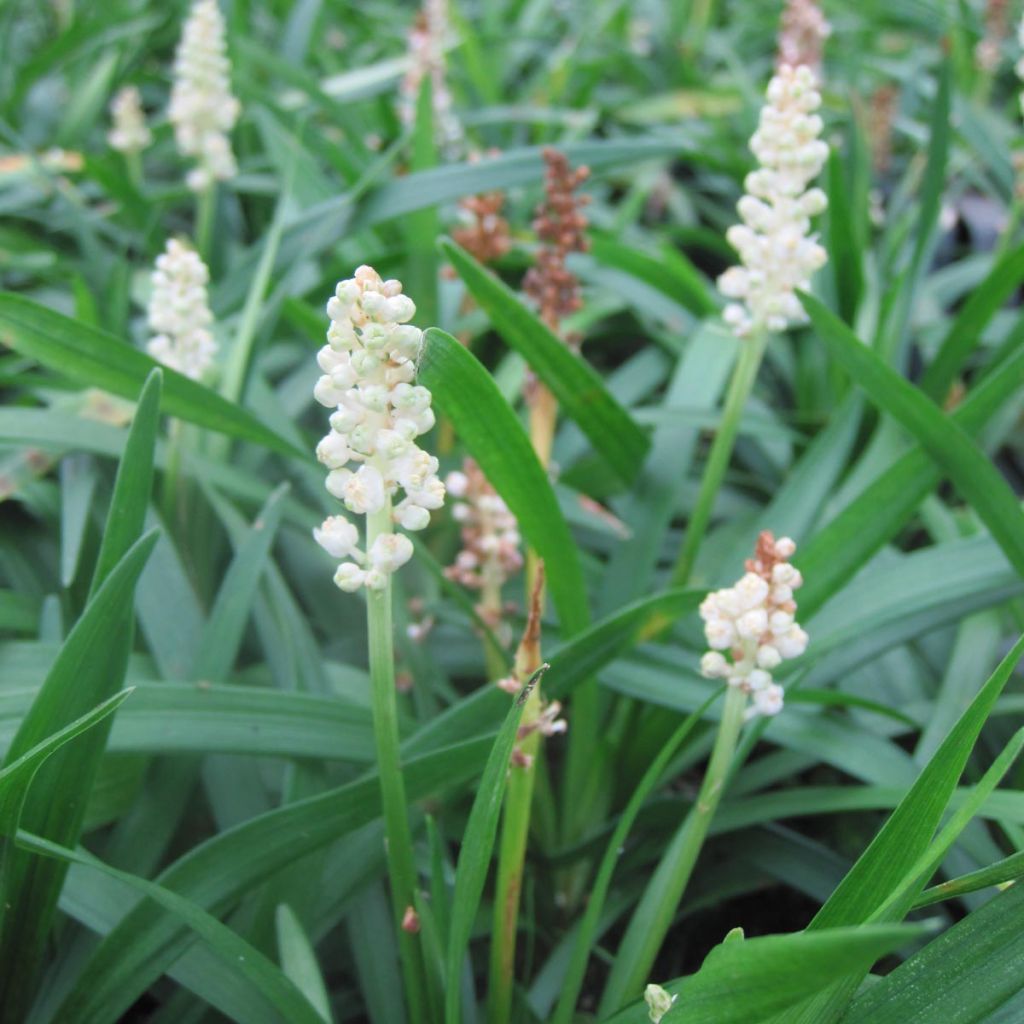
179, 312
802, 35
369, 369
490, 538
129, 133
658, 1001
427, 61
777, 250
202, 108
755, 622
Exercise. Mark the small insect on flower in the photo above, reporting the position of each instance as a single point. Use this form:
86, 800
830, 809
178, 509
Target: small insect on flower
179, 311
754, 621
777, 251
202, 109
369, 373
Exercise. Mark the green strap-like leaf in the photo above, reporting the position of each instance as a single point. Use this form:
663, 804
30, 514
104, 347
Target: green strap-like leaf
466, 393
581, 393
247, 961
743, 981
104, 361
948, 444
475, 855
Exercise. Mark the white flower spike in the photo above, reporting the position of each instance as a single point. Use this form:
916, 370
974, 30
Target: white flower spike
754, 621
129, 134
203, 110
777, 250
368, 378
179, 312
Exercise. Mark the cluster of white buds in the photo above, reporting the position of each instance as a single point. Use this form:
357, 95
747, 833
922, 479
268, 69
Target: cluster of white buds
202, 107
755, 622
777, 250
490, 538
369, 369
658, 1001
427, 40
179, 312
129, 133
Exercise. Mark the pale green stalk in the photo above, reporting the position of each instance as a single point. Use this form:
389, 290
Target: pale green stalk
134, 160
654, 914
206, 205
401, 865
744, 374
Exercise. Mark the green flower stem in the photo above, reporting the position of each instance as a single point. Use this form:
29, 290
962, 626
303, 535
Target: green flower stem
742, 383
401, 866
206, 205
653, 916
134, 161
515, 831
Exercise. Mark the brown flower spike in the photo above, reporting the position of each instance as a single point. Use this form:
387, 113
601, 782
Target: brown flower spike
486, 237
560, 225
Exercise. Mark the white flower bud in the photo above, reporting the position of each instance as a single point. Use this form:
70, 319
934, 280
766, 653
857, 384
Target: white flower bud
130, 133
349, 577
390, 551
412, 517
337, 536
714, 666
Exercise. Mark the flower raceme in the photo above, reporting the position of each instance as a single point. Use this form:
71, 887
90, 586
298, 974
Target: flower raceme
202, 108
129, 133
777, 251
179, 311
754, 621
490, 535
369, 370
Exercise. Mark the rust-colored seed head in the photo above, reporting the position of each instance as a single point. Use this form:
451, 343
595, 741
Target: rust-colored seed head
881, 115
486, 236
561, 226
997, 22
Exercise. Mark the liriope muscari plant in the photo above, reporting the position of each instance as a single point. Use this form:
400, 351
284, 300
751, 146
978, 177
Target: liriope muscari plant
369, 372
778, 255
802, 34
203, 109
754, 624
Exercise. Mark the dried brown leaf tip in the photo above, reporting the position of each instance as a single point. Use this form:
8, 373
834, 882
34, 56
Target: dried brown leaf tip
561, 226
485, 234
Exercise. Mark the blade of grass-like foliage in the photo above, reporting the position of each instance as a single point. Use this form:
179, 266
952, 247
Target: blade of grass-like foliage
903, 896
654, 497
90, 666
588, 928
965, 975
222, 633
77, 486
165, 718
965, 331
262, 974
579, 389
892, 331
948, 444
845, 257
298, 961
421, 227
833, 556
105, 361
475, 852
466, 393
1009, 869
679, 279
133, 483
743, 981
903, 840
16, 777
